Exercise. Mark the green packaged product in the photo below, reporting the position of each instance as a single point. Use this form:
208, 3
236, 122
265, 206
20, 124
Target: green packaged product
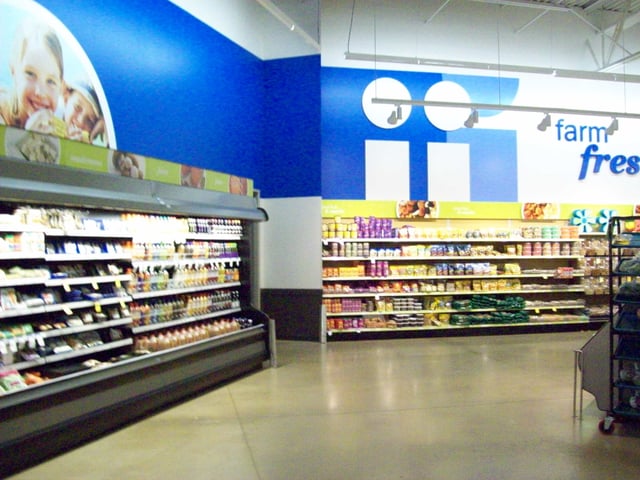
629, 290
11, 380
630, 266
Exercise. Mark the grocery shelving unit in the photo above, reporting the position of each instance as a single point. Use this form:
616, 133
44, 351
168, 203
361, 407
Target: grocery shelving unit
71, 313
596, 274
468, 283
624, 359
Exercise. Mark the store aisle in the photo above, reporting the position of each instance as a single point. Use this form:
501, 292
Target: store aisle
444, 408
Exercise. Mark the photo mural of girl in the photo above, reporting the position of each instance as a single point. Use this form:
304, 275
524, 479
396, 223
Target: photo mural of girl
47, 83
37, 69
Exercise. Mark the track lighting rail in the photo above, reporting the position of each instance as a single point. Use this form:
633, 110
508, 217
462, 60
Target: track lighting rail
505, 108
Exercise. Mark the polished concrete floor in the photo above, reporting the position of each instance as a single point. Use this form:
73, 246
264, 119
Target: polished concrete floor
495, 407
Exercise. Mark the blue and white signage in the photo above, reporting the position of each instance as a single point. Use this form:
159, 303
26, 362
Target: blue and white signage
384, 151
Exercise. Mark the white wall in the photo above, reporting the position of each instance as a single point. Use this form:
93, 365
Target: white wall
290, 243
549, 165
249, 25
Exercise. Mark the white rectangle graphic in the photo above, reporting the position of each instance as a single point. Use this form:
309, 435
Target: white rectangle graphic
448, 172
387, 170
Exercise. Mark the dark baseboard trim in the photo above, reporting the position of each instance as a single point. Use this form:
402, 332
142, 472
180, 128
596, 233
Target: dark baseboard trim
297, 312
462, 332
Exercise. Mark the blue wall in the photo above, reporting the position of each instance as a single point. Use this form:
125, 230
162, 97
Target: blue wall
180, 91
345, 128
291, 166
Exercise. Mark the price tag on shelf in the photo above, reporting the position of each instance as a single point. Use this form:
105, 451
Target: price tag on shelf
118, 283
94, 284
97, 307
66, 287
67, 311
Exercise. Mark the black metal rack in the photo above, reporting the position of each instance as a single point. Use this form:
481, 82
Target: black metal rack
623, 234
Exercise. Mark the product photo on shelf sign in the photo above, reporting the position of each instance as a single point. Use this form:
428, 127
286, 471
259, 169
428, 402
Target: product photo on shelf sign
417, 209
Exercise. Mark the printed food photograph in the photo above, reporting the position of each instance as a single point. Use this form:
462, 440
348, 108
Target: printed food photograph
416, 209
32, 146
540, 211
192, 176
127, 164
238, 185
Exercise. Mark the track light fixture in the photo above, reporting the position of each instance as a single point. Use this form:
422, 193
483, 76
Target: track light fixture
393, 118
545, 123
613, 127
472, 120
396, 115
279, 15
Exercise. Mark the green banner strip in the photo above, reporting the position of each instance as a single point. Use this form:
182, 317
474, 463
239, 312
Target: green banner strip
2, 141
463, 210
162, 171
217, 181
83, 156
21, 144
480, 210
362, 208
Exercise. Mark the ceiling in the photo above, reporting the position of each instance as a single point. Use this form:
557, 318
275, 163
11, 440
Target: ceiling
596, 35
304, 13
602, 14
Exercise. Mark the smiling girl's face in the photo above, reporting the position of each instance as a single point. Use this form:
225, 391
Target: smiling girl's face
79, 113
37, 68
38, 79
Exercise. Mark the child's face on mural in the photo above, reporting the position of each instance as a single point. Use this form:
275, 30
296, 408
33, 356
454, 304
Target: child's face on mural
37, 79
79, 112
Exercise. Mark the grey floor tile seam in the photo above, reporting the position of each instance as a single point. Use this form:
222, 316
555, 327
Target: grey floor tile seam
244, 434
243, 419
494, 357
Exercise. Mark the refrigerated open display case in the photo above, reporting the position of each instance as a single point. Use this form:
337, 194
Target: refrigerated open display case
119, 297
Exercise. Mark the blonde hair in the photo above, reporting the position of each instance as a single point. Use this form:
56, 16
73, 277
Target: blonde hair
30, 32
